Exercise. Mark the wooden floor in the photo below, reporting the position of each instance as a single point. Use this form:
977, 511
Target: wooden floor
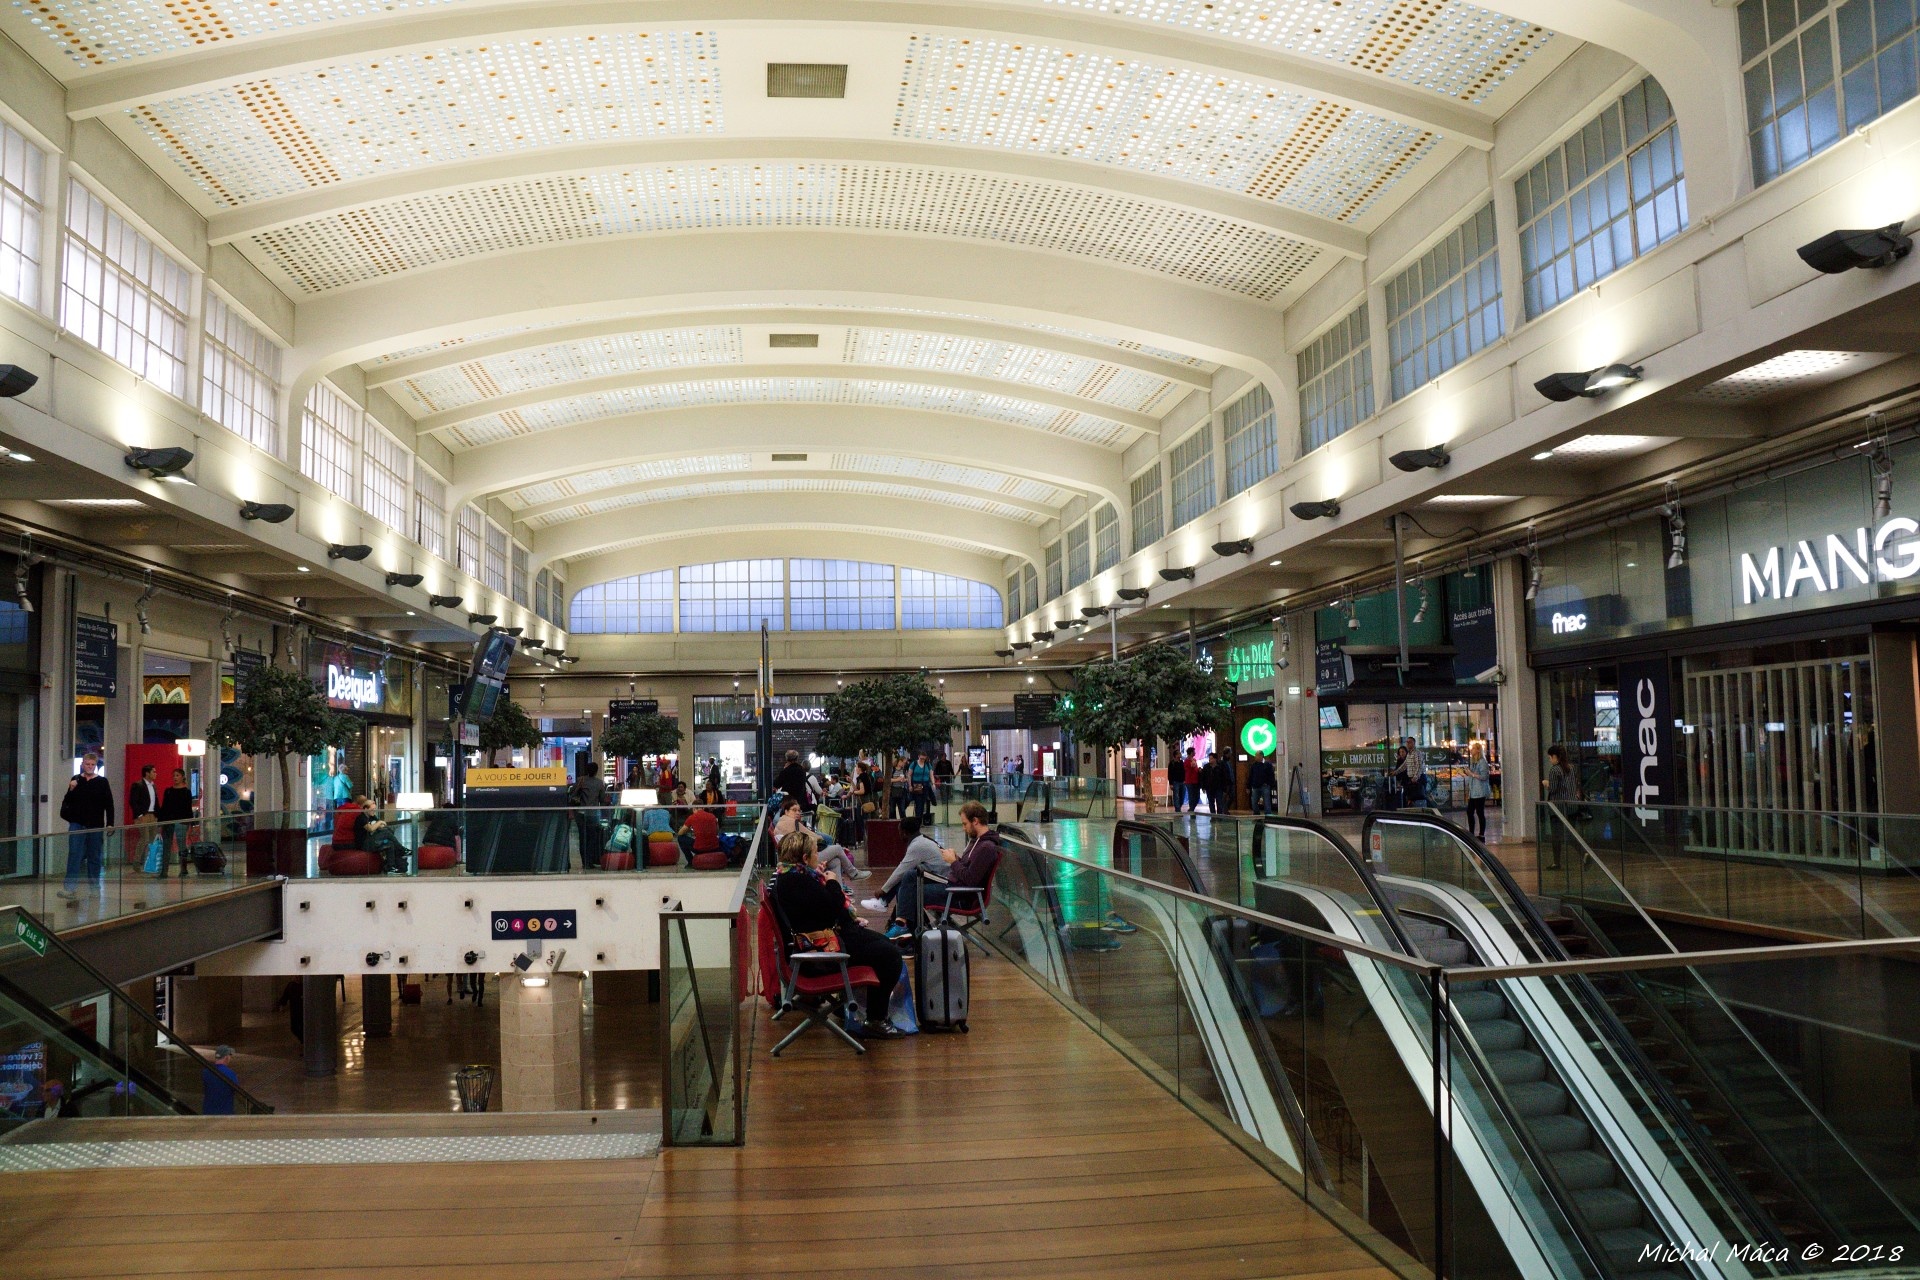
1029, 1148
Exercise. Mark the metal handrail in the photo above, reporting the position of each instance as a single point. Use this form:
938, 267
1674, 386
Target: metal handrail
1688, 959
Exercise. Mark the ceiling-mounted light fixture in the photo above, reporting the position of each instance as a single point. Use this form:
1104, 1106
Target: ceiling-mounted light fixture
15, 381
1176, 575
1003, 653
140, 607
1238, 547
444, 602
1353, 614
271, 512
1285, 656
1043, 635
1593, 382
1325, 509
160, 464
1676, 527
483, 619
1839, 251
348, 551
1134, 593
1096, 610
1881, 462
405, 579
1421, 459
1533, 564
1420, 613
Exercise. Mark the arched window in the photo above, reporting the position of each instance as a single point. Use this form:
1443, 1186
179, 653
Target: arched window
930, 601
637, 605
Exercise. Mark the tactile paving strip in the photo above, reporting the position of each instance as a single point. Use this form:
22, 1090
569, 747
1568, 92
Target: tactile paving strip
223, 1153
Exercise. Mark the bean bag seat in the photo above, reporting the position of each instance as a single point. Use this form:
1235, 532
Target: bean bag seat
350, 862
438, 857
622, 860
710, 861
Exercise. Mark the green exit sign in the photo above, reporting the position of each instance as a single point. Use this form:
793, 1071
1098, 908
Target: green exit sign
31, 934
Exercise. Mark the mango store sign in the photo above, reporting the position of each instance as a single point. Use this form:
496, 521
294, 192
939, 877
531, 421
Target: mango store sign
1890, 553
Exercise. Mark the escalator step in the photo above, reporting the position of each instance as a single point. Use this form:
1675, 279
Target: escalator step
1448, 951
1583, 1170
1499, 1035
1517, 1066
1541, 1098
1609, 1208
1561, 1133
1480, 1006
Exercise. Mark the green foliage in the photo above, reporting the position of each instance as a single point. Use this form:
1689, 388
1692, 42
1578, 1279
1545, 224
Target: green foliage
509, 727
888, 713
647, 734
1159, 693
281, 713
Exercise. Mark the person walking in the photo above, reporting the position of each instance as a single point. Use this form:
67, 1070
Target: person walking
920, 785
1188, 797
176, 810
217, 1082
592, 802
1262, 781
1479, 788
1562, 789
1412, 768
87, 808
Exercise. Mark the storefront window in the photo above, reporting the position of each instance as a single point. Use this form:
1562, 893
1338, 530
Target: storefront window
1359, 745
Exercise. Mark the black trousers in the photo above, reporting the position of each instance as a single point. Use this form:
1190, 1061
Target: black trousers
865, 947
1477, 816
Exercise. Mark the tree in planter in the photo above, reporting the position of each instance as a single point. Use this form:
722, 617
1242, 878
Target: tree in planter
645, 734
890, 713
1158, 693
509, 727
280, 714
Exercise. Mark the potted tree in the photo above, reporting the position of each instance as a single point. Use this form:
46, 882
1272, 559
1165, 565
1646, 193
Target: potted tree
644, 734
889, 713
281, 714
1158, 694
509, 727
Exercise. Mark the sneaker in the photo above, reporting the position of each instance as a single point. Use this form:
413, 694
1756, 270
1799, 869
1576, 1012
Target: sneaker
1118, 924
874, 904
68, 894
861, 873
896, 931
885, 1031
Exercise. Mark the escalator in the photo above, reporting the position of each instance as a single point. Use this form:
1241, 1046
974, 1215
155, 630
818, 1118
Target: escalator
74, 1047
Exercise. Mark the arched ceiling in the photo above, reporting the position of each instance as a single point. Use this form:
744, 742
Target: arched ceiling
579, 241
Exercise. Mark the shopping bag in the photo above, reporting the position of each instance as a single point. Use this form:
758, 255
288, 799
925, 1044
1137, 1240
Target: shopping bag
156, 857
900, 1010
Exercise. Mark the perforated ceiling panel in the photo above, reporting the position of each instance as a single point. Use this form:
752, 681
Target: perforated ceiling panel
1454, 49
1790, 370
682, 395
98, 33
1316, 156
343, 249
478, 380
546, 491
1028, 366
948, 473
403, 110
737, 488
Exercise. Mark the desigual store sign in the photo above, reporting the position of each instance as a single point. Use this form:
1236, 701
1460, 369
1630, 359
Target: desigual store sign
354, 680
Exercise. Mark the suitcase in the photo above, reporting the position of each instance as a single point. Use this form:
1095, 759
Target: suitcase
409, 993
940, 975
207, 858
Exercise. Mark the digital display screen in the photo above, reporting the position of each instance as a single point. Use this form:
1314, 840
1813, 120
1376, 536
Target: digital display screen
1332, 717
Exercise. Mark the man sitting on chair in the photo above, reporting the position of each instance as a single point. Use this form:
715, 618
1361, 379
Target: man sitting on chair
972, 869
923, 853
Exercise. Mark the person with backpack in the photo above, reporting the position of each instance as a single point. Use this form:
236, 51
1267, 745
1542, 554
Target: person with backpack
1263, 780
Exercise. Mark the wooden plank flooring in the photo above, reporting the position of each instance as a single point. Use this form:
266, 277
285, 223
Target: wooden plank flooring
1029, 1148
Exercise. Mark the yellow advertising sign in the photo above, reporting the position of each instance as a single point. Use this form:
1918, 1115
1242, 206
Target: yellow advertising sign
552, 775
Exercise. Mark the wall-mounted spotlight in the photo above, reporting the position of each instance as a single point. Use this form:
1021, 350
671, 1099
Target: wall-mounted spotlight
444, 602
1327, 508
1238, 547
15, 381
1420, 613
1676, 527
1533, 580
483, 619
1594, 382
534, 646
570, 661
1353, 614
1064, 623
1095, 610
1421, 459
1839, 251
1133, 593
1021, 646
1284, 658
1003, 653
348, 551
405, 579
271, 512
1177, 575
562, 653
1043, 635
22, 567
514, 631
161, 464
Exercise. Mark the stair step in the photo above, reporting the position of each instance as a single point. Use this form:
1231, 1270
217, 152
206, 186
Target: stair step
1561, 1133
1517, 1066
1609, 1208
1583, 1170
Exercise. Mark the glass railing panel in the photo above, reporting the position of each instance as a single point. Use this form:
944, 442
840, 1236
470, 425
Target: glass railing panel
702, 974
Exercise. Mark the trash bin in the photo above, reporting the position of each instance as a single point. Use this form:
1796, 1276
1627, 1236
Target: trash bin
475, 1084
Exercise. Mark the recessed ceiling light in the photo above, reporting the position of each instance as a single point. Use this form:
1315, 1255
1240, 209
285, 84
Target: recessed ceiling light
15, 455
1273, 564
410, 613
1470, 499
302, 568
1595, 445
101, 503
1166, 606
1783, 370
1543, 455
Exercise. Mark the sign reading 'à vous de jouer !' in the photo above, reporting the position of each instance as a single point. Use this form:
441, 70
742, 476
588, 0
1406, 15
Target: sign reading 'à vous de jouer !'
1888, 553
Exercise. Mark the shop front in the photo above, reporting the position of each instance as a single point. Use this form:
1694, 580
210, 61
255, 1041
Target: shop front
1369, 706
1763, 659
380, 761
726, 728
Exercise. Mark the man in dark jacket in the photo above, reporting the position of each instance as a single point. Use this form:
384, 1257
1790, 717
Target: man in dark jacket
971, 869
87, 808
589, 795
1262, 781
792, 779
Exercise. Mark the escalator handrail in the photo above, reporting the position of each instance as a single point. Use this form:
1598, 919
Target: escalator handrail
59, 1027
1674, 1113
1181, 854
1360, 867
154, 1024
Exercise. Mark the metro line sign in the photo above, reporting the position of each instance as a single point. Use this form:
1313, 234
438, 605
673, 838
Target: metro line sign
1890, 553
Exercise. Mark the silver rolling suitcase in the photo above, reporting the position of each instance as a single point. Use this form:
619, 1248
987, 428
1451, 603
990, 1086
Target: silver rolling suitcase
940, 976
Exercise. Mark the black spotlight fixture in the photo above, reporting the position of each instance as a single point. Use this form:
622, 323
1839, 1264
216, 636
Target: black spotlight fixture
348, 551
558, 653
1326, 509
1003, 653
1421, 459
1044, 635
160, 464
1175, 575
483, 619
15, 381
514, 631
534, 646
1594, 382
405, 579
1064, 623
1021, 646
1238, 547
1839, 251
271, 512
1133, 593
444, 602
1096, 610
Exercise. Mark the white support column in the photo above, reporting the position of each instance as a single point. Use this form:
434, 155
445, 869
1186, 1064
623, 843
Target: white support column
1377, 344
1296, 711
203, 693
1517, 716
1506, 229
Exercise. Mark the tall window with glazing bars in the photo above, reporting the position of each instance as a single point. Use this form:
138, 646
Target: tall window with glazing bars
1252, 440
1192, 485
1149, 518
1079, 554
1054, 584
1106, 537
1602, 198
240, 377
1815, 72
123, 293
23, 169
1336, 381
1444, 307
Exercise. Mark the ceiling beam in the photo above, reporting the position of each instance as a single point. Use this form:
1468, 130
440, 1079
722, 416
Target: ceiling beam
936, 491
160, 78
398, 371
282, 211
446, 420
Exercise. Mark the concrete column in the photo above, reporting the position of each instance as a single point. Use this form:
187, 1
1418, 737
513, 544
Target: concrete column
621, 987
320, 1023
540, 1044
1518, 714
376, 1004
206, 1010
203, 694
1296, 714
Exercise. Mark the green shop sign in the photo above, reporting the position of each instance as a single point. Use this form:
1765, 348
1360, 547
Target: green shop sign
1355, 758
35, 940
1250, 655
1258, 737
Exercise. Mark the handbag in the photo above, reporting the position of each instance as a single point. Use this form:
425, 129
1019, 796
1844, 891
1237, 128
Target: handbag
156, 857
868, 808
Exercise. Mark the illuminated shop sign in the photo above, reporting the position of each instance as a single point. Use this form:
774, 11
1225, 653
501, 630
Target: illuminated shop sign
352, 687
1890, 553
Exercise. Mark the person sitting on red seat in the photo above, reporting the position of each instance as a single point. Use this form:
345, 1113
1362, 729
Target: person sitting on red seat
704, 828
814, 904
